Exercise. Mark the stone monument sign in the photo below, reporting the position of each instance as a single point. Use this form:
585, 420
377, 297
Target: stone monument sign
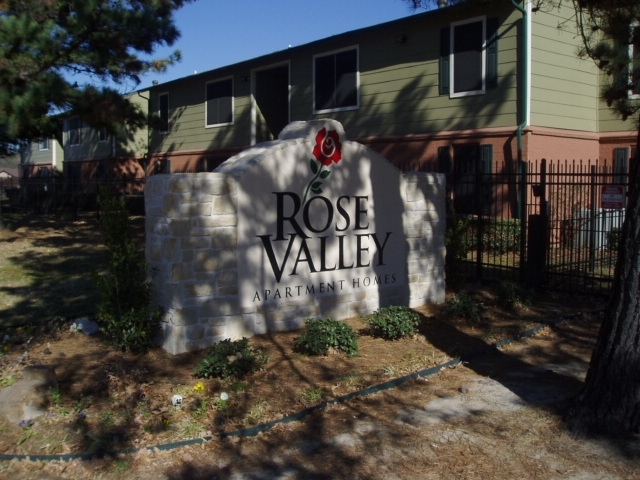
310, 225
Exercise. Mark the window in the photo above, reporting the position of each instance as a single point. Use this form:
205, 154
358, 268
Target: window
469, 57
336, 81
44, 144
471, 179
219, 109
163, 112
620, 165
103, 135
75, 131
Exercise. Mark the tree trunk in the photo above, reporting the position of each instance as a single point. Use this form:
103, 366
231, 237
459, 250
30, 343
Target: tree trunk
610, 401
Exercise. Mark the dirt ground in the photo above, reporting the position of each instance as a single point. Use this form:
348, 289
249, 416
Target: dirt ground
497, 414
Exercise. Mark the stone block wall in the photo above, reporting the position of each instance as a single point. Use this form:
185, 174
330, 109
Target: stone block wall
191, 222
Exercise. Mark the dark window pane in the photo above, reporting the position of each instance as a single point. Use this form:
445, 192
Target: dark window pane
164, 112
346, 79
220, 102
467, 63
336, 80
325, 78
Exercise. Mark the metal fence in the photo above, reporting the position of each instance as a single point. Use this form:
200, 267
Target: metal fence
64, 196
542, 223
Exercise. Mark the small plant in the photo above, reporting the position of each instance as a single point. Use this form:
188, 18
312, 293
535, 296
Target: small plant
221, 404
511, 295
27, 432
125, 314
313, 395
257, 412
463, 305
200, 410
321, 335
238, 387
228, 359
199, 387
56, 397
393, 323
7, 381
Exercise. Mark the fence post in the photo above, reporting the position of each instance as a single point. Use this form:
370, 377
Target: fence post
480, 222
522, 210
538, 233
592, 221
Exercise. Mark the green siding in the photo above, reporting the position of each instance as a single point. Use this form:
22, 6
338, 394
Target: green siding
398, 86
563, 87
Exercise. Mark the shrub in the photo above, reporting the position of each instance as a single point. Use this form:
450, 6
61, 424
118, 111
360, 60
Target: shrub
393, 322
228, 359
125, 315
320, 335
463, 305
511, 295
501, 236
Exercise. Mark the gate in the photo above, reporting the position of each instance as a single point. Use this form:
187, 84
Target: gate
554, 224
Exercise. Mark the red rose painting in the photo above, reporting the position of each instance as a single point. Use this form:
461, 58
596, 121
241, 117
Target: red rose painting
326, 151
328, 147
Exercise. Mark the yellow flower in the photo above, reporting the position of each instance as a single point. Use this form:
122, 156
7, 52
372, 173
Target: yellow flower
199, 387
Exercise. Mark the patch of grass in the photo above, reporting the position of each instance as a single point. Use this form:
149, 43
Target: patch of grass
200, 409
510, 295
191, 429
465, 306
314, 395
7, 381
56, 397
257, 413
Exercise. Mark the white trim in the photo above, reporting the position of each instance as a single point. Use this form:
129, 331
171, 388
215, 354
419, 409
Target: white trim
452, 93
233, 102
313, 79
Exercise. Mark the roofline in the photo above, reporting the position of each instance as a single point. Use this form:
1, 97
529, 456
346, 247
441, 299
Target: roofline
265, 58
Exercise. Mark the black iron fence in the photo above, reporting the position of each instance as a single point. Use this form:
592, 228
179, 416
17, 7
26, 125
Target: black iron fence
542, 223
63, 196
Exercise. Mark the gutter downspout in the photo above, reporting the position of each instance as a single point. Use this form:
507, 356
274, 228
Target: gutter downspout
526, 84
522, 166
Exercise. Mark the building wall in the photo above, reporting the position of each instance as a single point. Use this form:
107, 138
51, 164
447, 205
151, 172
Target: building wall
398, 97
564, 88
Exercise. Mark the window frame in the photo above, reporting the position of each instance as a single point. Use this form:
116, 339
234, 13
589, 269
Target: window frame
165, 122
483, 74
43, 144
334, 53
206, 102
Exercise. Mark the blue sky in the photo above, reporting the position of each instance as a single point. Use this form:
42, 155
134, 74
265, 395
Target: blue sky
216, 33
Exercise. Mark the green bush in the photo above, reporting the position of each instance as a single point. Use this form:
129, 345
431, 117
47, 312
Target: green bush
613, 239
501, 236
125, 314
465, 306
511, 295
228, 359
321, 335
393, 323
